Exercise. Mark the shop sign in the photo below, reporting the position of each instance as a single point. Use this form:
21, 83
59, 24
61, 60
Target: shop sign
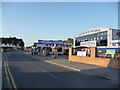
81, 53
96, 30
50, 42
110, 51
88, 43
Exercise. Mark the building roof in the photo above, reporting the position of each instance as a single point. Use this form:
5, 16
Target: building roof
91, 31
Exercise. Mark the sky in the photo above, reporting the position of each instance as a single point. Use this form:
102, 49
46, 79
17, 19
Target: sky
33, 21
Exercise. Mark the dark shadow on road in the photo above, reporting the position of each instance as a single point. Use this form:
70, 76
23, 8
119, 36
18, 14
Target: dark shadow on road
103, 73
32, 77
31, 72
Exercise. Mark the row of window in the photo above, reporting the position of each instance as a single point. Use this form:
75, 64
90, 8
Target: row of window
98, 38
98, 43
115, 44
103, 33
59, 45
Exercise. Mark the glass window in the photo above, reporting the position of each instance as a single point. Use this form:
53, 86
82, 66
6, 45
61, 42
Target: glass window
115, 34
98, 34
102, 33
105, 33
59, 50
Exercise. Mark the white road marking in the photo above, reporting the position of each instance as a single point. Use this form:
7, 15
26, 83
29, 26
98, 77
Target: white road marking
62, 65
49, 73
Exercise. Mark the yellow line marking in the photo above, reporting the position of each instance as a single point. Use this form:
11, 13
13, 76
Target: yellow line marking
6, 73
63, 65
11, 77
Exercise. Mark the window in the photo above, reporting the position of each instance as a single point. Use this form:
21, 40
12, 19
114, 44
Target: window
98, 34
101, 37
105, 33
59, 50
86, 39
105, 37
102, 33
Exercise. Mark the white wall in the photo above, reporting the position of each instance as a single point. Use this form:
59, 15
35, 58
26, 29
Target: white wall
0, 70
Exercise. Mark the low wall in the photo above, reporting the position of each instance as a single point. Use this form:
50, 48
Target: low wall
104, 62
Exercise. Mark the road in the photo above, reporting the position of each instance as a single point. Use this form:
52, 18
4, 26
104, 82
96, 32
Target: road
28, 72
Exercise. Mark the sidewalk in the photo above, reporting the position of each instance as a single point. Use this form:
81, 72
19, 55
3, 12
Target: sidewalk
97, 71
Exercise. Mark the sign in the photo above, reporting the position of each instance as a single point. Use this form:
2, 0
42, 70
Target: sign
110, 51
50, 42
81, 53
88, 43
97, 30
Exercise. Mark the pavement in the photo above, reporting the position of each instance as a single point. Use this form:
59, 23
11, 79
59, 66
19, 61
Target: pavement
93, 70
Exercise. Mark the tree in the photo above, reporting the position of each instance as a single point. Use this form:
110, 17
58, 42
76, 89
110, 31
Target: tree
59, 40
21, 43
13, 40
70, 40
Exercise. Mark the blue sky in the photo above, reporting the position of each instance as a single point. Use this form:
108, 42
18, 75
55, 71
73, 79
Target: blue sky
34, 21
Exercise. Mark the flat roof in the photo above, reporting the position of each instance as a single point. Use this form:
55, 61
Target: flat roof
92, 31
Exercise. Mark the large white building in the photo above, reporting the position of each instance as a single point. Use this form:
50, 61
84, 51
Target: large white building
107, 41
98, 37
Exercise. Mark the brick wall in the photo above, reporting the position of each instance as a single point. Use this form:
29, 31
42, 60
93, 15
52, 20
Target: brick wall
104, 62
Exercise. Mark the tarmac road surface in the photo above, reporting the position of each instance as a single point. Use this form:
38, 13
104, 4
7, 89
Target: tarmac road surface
23, 71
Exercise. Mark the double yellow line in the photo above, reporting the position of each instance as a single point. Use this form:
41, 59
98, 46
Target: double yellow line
9, 76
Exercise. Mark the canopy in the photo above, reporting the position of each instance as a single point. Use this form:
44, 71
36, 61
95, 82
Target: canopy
55, 47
